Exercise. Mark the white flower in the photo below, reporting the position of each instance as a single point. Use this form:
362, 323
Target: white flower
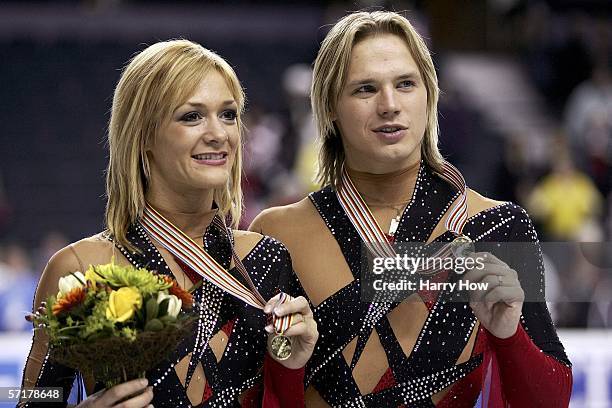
174, 303
69, 282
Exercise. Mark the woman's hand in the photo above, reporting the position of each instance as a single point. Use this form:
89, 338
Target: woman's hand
499, 306
108, 398
303, 330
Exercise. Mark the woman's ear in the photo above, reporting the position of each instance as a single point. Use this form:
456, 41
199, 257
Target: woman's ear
148, 145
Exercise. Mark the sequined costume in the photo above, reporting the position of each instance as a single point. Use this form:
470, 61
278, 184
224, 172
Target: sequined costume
445, 360
237, 375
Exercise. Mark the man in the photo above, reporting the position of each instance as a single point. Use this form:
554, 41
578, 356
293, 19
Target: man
374, 97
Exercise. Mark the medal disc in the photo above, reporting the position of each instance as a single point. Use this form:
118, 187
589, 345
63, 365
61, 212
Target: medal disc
462, 246
281, 347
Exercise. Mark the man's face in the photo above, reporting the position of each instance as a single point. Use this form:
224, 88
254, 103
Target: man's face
382, 109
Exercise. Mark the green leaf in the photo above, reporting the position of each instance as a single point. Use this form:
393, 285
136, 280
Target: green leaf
154, 325
152, 309
167, 319
163, 307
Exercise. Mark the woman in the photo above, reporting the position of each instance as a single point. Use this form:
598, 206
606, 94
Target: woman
374, 96
175, 145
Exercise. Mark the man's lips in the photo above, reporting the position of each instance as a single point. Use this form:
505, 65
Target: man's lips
390, 133
389, 128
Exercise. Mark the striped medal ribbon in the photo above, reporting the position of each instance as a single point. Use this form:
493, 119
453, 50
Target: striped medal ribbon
377, 242
195, 257
379, 246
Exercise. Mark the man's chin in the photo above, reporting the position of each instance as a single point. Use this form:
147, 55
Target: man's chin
392, 162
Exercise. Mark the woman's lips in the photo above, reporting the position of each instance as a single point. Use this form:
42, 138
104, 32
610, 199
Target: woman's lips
210, 159
212, 162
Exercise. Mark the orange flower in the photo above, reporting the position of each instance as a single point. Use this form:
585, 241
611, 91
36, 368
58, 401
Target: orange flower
179, 292
70, 300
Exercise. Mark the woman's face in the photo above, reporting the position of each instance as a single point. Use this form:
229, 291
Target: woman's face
382, 109
196, 148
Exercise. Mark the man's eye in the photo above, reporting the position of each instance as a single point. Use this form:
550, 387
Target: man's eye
365, 89
191, 117
407, 84
229, 114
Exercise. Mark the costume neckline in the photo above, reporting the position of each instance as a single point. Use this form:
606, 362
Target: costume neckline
394, 187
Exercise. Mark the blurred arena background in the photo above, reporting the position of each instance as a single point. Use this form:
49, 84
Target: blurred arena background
526, 114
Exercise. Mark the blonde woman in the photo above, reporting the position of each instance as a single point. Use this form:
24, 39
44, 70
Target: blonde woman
375, 96
175, 145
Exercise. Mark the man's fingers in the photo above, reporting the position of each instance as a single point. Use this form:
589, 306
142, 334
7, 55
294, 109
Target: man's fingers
491, 281
488, 257
504, 294
476, 273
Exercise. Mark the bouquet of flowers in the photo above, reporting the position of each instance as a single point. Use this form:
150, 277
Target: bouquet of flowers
115, 322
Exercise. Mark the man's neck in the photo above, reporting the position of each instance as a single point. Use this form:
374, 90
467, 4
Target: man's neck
392, 188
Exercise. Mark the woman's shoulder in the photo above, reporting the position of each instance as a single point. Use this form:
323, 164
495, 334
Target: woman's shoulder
74, 257
249, 242
79, 255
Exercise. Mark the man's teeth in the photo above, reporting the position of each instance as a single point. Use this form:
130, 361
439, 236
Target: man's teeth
209, 156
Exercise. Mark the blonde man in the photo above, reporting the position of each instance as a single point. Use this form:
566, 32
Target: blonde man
374, 97
175, 147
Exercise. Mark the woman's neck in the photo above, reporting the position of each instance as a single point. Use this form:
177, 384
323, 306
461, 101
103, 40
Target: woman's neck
389, 189
192, 214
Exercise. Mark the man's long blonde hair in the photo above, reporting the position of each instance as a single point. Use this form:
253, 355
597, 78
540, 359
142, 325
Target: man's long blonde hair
329, 77
154, 83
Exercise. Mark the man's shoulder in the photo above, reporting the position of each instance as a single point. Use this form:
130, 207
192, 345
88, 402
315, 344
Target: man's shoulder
478, 203
283, 215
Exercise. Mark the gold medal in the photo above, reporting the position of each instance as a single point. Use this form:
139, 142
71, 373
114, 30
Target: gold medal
281, 347
462, 246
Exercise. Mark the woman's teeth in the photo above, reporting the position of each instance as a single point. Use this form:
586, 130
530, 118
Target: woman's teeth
209, 156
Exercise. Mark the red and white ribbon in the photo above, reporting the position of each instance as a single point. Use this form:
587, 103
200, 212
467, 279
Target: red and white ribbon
459, 213
373, 236
195, 257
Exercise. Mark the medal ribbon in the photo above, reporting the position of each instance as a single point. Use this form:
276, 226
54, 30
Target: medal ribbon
378, 244
373, 236
195, 257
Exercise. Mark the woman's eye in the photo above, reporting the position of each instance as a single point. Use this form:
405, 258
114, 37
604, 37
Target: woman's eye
191, 117
229, 115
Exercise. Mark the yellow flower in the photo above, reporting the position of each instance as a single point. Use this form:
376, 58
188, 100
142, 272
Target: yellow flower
122, 303
92, 276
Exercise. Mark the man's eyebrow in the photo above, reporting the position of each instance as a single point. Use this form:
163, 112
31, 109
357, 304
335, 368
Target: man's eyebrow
408, 75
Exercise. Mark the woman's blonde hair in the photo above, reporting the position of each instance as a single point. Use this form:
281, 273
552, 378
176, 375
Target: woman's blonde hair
329, 77
154, 83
